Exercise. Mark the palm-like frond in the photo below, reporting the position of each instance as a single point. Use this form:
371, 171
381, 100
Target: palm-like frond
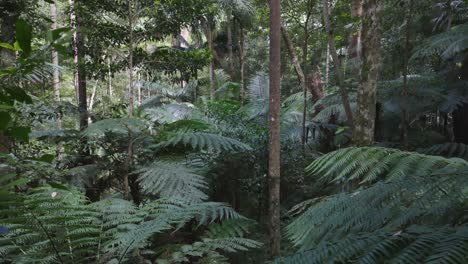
172, 178
119, 126
446, 44
457, 150
205, 141
427, 199
369, 164
49, 225
416, 244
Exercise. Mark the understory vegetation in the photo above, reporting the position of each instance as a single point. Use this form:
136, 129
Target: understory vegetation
177, 131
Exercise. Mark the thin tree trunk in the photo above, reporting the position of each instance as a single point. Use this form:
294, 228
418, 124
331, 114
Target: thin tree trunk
109, 76
56, 75
294, 58
229, 39
139, 87
130, 59
327, 66
274, 127
404, 103
128, 160
79, 66
93, 95
336, 61
209, 39
367, 92
300, 76
355, 48
242, 65
304, 67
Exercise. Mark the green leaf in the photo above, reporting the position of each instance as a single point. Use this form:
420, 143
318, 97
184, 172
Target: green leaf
7, 46
24, 36
20, 133
57, 33
5, 119
50, 1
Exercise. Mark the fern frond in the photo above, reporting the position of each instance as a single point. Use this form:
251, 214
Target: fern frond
446, 44
119, 126
369, 164
392, 205
450, 150
205, 141
172, 179
415, 244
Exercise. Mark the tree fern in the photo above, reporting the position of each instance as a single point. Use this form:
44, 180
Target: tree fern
457, 150
415, 244
172, 179
204, 141
446, 44
49, 226
403, 217
369, 164
426, 199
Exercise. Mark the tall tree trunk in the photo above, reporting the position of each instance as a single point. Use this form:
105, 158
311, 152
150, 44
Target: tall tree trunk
404, 92
79, 65
274, 127
55, 57
367, 92
304, 67
109, 76
229, 39
139, 87
336, 61
242, 64
355, 49
300, 76
327, 66
128, 160
56, 75
93, 96
130, 59
209, 39
294, 58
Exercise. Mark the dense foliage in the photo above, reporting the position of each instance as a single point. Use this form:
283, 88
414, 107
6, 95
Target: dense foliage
138, 131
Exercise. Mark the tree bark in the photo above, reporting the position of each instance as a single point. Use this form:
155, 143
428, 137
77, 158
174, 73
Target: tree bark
128, 161
229, 39
242, 64
367, 92
55, 58
79, 65
404, 92
336, 61
209, 40
109, 76
274, 127
355, 47
300, 76
130, 59
56, 75
294, 58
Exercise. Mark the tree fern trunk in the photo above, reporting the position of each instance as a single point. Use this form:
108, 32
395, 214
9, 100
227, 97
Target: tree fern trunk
274, 126
367, 92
